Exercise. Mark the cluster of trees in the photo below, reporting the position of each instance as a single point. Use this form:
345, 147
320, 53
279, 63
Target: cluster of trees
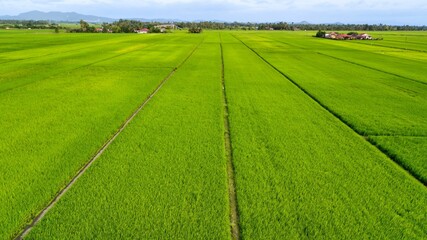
121, 26
195, 29
125, 26
320, 34
28, 24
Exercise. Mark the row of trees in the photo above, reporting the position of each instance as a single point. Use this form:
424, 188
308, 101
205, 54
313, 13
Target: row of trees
28, 24
129, 26
121, 26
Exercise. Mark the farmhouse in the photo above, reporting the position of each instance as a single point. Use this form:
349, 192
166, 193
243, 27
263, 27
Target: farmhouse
331, 35
142, 30
350, 36
364, 36
165, 27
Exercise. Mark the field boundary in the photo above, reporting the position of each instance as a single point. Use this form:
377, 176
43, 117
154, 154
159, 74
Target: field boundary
234, 214
63, 191
398, 135
398, 160
336, 115
372, 68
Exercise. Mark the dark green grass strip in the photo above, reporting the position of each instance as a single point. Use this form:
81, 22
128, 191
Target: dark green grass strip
391, 157
372, 68
63, 191
234, 215
408, 151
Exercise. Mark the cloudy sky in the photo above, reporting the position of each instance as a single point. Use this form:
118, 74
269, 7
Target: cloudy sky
413, 12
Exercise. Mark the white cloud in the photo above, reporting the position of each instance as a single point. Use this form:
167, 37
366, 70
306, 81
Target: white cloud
368, 4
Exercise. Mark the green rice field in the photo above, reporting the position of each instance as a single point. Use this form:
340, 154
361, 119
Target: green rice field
219, 135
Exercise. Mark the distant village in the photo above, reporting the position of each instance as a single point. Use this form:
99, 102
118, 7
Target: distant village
345, 36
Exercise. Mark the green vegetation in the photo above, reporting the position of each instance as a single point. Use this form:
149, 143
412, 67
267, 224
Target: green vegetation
194, 29
60, 109
410, 152
328, 138
368, 98
301, 173
166, 184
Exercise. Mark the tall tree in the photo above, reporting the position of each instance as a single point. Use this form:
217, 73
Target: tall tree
84, 26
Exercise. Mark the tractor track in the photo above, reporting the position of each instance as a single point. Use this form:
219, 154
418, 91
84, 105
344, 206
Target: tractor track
234, 214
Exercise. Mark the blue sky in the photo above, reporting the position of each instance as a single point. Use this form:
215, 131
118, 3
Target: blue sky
412, 12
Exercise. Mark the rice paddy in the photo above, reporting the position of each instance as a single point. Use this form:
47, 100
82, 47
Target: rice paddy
319, 139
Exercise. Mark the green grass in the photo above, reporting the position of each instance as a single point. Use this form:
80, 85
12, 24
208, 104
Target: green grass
301, 173
365, 94
31, 65
165, 175
53, 126
373, 102
404, 42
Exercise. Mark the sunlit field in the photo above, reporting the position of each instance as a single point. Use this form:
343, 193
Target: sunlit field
326, 139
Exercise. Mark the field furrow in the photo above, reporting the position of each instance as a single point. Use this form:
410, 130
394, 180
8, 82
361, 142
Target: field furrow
410, 152
234, 214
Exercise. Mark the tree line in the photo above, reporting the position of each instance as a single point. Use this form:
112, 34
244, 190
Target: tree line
129, 26
20, 24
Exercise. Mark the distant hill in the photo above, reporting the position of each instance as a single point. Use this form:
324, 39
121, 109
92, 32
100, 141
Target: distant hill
57, 17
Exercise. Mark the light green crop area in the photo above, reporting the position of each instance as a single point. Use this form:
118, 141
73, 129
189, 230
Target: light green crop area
56, 116
167, 170
328, 138
301, 173
366, 94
